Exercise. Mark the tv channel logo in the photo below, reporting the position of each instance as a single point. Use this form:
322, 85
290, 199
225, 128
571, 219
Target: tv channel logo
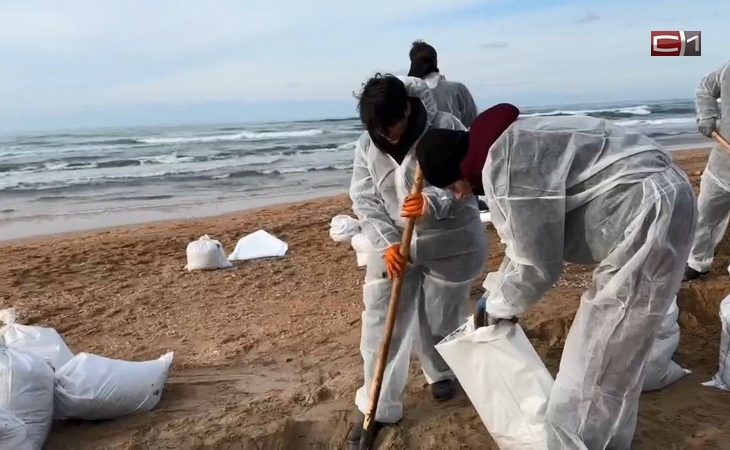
676, 43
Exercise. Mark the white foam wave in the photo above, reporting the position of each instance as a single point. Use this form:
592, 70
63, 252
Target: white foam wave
655, 122
244, 135
642, 110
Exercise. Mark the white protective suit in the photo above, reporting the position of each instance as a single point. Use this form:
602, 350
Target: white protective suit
448, 252
452, 97
584, 190
713, 203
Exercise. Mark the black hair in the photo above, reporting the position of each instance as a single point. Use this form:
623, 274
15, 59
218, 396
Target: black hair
439, 153
382, 102
424, 60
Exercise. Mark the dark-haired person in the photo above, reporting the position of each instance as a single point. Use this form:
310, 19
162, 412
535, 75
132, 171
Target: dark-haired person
582, 190
448, 250
451, 96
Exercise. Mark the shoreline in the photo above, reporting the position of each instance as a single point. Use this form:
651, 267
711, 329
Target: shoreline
28, 230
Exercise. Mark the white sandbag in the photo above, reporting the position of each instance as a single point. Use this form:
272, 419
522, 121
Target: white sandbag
721, 380
505, 380
485, 217
343, 228
13, 434
26, 391
660, 371
259, 244
362, 246
206, 254
93, 387
40, 341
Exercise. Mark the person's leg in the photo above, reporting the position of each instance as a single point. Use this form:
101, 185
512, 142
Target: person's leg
596, 393
443, 307
376, 297
713, 206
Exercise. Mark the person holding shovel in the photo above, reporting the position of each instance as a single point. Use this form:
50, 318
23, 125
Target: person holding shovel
581, 190
713, 202
447, 252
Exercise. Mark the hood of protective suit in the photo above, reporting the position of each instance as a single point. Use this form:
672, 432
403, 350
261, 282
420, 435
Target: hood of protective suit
418, 88
432, 80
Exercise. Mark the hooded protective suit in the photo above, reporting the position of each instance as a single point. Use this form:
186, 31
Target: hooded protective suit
448, 252
714, 200
452, 97
584, 190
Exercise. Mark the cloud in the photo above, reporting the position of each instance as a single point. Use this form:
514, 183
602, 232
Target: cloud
495, 44
588, 17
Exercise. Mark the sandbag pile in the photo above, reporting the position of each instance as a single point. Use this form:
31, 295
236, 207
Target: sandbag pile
721, 380
41, 380
660, 370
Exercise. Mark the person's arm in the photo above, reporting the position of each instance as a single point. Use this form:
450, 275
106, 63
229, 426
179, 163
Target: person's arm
440, 202
529, 216
707, 93
468, 107
367, 204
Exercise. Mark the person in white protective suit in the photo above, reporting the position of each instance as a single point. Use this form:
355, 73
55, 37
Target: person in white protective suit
582, 190
451, 96
714, 200
448, 249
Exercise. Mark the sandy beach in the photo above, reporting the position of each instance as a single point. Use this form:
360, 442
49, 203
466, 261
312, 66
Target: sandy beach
267, 353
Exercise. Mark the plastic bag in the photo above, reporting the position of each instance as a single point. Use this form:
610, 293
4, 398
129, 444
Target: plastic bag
259, 244
92, 387
40, 341
26, 391
505, 380
362, 246
13, 434
206, 254
721, 380
343, 228
660, 370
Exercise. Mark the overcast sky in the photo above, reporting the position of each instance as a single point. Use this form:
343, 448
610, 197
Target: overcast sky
127, 62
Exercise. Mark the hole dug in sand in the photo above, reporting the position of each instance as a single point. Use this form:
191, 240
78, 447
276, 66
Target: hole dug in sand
699, 303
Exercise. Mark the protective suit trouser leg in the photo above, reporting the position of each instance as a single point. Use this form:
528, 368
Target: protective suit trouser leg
595, 397
713, 206
443, 308
376, 297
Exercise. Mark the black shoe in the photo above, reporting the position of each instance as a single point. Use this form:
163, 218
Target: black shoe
691, 274
443, 390
482, 205
356, 432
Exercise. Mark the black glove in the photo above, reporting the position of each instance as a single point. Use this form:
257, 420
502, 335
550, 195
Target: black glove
482, 319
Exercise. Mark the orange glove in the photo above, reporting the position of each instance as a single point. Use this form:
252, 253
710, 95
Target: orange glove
394, 261
414, 206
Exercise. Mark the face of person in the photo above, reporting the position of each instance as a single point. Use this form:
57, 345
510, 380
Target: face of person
395, 132
461, 188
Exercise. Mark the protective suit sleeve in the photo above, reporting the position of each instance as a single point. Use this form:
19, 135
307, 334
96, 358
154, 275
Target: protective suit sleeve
367, 204
533, 230
708, 91
441, 202
468, 107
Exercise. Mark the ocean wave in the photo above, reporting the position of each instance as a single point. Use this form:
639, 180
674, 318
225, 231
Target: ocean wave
643, 110
656, 122
244, 135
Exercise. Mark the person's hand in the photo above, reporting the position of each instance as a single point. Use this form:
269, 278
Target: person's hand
395, 264
483, 319
707, 126
414, 206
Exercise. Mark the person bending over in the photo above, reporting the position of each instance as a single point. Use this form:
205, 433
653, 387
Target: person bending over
582, 190
448, 250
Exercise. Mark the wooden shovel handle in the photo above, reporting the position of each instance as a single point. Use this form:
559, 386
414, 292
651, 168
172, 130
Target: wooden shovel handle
718, 137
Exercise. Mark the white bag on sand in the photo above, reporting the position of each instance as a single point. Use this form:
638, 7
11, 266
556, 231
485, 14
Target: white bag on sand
504, 378
343, 228
660, 371
259, 244
721, 380
26, 391
206, 254
362, 246
40, 341
13, 434
92, 387
485, 217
